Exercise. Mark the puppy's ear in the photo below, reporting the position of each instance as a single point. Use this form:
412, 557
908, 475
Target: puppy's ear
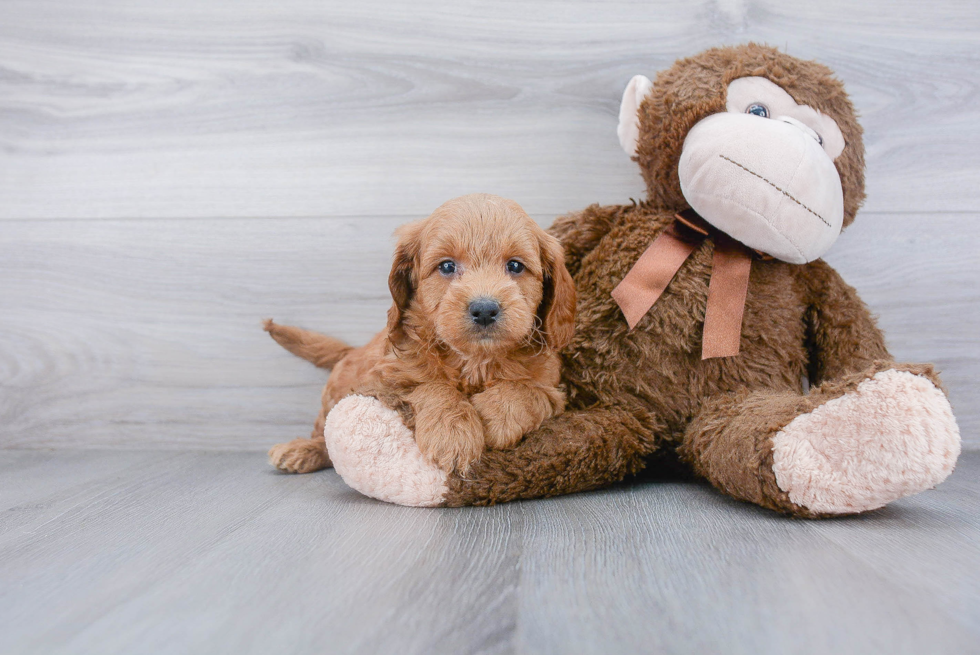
403, 276
557, 309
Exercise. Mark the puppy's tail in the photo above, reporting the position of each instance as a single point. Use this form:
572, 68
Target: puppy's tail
321, 350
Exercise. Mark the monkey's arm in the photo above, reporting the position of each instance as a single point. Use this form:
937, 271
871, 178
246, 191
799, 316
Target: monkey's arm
843, 336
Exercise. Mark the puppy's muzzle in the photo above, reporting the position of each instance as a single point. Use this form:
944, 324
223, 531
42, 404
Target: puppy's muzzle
484, 311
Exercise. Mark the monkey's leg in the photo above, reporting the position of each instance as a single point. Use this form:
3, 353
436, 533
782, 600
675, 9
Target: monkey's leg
849, 446
579, 450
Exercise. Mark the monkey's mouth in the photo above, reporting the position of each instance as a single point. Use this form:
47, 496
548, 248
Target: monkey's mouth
777, 188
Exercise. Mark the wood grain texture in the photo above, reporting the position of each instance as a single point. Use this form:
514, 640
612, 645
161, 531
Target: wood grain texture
115, 109
215, 553
148, 333
137, 334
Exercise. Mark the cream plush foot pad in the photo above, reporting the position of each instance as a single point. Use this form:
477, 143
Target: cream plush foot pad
376, 454
893, 436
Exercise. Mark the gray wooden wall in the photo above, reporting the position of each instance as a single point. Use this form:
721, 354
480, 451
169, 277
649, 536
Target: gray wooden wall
172, 172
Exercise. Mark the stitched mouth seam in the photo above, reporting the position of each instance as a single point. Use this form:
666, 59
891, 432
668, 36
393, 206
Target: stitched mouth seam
785, 193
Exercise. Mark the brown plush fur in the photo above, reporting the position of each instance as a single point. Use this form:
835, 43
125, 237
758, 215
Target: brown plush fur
634, 395
466, 387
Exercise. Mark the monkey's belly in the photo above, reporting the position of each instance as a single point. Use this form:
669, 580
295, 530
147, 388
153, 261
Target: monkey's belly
658, 365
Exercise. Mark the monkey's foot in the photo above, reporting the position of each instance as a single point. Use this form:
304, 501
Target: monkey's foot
892, 436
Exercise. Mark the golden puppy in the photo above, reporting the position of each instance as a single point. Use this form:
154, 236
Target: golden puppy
482, 305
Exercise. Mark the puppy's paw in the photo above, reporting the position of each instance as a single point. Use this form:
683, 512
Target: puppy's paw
504, 426
502, 429
299, 456
452, 441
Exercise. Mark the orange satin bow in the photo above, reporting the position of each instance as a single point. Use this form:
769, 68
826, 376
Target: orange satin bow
729, 284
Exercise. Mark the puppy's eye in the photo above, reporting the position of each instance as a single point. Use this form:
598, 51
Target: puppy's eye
447, 267
758, 110
515, 267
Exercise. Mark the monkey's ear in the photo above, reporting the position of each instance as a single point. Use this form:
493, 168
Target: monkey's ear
403, 277
629, 121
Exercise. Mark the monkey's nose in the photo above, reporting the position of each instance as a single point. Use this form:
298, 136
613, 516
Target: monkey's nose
484, 311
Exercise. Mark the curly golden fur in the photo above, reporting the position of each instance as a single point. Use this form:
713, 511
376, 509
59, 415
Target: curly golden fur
482, 303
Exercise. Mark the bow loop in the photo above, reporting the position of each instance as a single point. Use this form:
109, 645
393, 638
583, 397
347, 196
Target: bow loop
727, 290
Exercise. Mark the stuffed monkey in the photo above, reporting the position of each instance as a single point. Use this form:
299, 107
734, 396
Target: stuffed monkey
708, 329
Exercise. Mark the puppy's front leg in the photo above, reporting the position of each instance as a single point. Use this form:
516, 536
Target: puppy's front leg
448, 429
512, 409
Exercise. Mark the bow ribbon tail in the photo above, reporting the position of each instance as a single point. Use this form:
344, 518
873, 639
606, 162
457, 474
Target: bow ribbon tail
727, 290
651, 273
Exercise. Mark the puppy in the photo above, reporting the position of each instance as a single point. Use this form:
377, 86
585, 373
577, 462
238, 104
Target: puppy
482, 304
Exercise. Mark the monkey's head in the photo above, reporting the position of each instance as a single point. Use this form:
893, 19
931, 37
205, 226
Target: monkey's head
764, 146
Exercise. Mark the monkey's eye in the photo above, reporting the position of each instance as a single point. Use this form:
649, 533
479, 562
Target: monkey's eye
758, 110
515, 267
447, 267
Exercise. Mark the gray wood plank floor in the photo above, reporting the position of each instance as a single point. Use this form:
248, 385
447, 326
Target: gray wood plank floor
123, 552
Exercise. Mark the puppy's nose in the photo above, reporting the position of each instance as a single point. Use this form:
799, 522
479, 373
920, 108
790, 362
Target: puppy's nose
484, 311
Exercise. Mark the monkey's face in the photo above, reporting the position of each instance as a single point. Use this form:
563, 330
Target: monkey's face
763, 172
781, 173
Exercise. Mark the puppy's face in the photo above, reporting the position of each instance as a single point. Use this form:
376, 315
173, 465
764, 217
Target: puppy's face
484, 277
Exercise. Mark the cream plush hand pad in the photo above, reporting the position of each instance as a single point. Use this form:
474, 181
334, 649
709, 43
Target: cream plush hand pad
376, 454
